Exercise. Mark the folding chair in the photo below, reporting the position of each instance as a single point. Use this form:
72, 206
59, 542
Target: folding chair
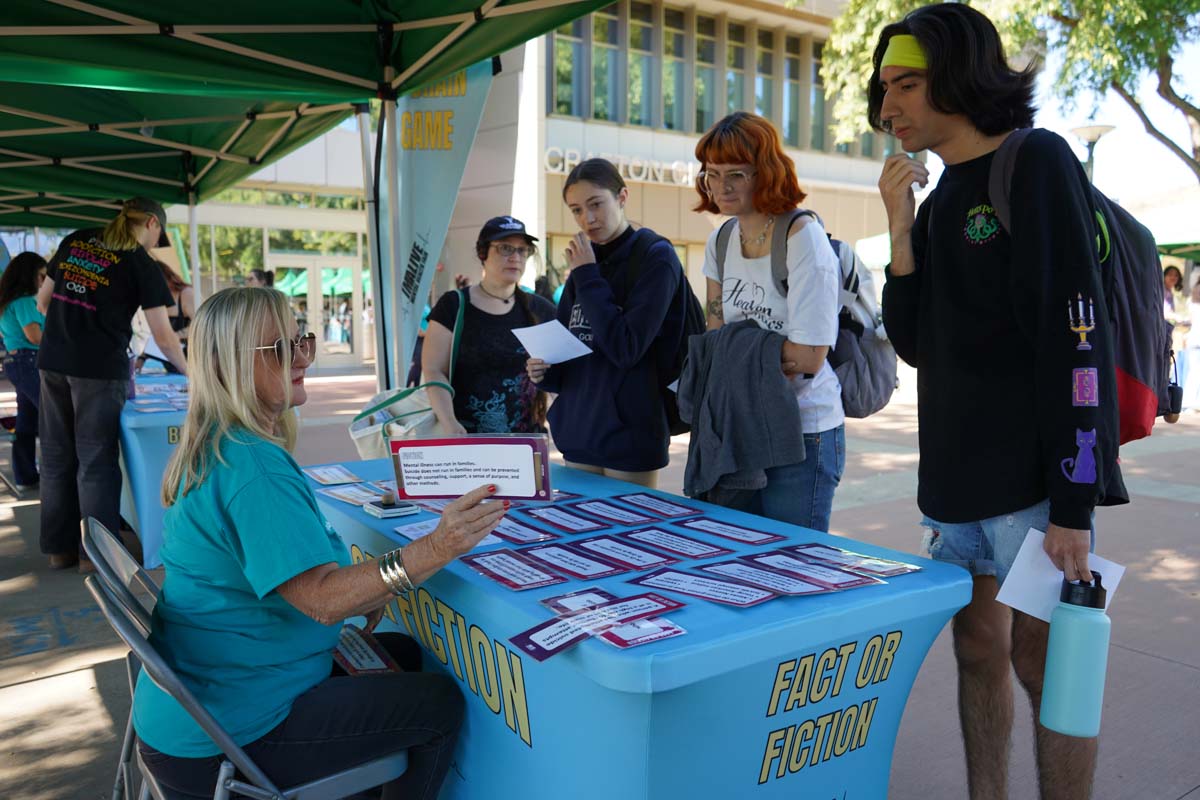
238, 775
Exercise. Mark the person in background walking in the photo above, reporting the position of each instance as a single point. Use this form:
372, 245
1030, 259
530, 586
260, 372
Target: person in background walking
21, 330
264, 278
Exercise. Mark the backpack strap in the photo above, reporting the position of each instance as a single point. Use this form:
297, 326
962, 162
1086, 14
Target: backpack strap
635, 261
1000, 176
783, 227
458, 326
723, 235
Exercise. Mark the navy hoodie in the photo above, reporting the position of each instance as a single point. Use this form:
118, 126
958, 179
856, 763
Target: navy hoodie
609, 410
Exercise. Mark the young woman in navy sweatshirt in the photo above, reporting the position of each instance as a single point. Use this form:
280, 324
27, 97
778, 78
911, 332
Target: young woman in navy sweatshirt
619, 300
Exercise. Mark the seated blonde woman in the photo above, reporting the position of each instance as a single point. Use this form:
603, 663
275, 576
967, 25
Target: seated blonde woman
257, 583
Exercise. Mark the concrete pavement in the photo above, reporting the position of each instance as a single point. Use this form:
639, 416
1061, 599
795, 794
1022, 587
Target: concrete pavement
63, 695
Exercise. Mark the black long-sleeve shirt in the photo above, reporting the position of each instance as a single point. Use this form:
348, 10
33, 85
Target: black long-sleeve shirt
1014, 406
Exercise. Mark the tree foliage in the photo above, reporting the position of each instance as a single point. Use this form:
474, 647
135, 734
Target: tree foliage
1103, 45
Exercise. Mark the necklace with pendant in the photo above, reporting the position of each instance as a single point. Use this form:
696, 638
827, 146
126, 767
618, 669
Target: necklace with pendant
505, 300
757, 240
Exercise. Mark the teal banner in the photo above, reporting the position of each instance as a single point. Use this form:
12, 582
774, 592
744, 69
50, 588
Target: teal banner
434, 131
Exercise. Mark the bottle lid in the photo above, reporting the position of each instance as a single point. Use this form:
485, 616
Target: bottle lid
1085, 594
388, 499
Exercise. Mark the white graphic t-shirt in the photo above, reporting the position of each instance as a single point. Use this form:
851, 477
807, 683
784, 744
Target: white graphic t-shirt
808, 315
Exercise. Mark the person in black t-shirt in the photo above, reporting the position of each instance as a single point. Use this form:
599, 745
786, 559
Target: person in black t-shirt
1018, 421
95, 283
492, 393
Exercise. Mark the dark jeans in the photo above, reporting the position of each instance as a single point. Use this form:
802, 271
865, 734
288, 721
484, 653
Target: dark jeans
81, 477
21, 368
344, 721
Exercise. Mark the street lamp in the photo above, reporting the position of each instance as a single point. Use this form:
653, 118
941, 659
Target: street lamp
1089, 135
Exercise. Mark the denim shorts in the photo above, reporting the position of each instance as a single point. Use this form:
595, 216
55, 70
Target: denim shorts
988, 546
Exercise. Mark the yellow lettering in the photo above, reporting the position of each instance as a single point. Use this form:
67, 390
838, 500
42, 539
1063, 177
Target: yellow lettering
772, 752
172, 434
512, 689
429, 614
798, 696
890, 645
833, 724
823, 725
410, 619
447, 614
821, 686
781, 683
406, 130
804, 731
448, 130
433, 130
466, 651
481, 654
844, 653
865, 714
418, 131
870, 657
845, 731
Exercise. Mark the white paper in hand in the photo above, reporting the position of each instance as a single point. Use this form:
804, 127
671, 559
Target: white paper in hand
551, 342
1034, 583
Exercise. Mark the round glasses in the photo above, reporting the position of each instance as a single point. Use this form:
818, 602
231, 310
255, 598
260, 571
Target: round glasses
508, 251
304, 345
735, 180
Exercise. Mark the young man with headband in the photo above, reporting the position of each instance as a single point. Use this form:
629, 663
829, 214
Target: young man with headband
1016, 402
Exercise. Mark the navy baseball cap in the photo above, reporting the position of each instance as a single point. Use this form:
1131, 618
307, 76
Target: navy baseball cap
503, 227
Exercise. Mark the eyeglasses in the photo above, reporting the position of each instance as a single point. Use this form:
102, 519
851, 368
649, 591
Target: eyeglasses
304, 345
712, 182
508, 251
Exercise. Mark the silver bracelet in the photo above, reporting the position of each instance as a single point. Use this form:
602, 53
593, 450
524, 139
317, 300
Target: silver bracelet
393, 573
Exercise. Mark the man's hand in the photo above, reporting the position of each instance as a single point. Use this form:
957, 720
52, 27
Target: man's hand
1068, 549
899, 174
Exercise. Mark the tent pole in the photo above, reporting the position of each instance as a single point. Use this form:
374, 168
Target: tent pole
364, 133
396, 352
194, 251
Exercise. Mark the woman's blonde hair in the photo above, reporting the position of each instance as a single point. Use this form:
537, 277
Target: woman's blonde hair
121, 232
221, 358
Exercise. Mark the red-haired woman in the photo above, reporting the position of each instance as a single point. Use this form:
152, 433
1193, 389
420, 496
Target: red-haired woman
747, 175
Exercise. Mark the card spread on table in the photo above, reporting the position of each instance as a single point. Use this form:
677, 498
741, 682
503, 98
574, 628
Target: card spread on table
564, 520
355, 493
717, 591
573, 562
845, 559
730, 531
384, 486
556, 635
417, 530
831, 577
512, 531
436, 506
155, 409
359, 653
610, 513
517, 464
331, 475
560, 496
511, 569
578, 600
677, 543
641, 631
627, 555
772, 580
657, 505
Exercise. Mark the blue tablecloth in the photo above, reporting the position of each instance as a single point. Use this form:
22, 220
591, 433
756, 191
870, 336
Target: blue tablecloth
147, 442
799, 697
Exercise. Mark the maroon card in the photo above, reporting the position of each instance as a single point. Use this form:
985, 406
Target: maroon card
563, 520
676, 543
730, 531
512, 569
667, 509
625, 553
575, 563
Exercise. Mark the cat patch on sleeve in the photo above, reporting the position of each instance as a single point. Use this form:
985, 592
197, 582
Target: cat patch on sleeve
1082, 468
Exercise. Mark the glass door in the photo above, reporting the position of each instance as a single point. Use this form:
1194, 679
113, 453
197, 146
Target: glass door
325, 293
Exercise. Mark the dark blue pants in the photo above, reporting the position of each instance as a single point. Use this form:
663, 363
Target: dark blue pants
344, 721
21, 368
80, 425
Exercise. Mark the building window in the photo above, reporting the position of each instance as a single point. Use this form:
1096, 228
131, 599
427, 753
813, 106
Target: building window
674, 69
791, 91
889, 145
641, 63
605, 55
706, 73
735, 69
868, 145
817, 102
568, 53
764, 78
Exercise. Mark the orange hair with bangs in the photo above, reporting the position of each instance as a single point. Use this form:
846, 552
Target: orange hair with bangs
744, 138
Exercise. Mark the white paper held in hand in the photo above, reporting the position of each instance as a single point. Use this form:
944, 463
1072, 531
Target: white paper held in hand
1034, 583
551, 342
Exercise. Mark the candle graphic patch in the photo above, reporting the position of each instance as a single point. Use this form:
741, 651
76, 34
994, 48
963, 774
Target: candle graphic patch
1082, 321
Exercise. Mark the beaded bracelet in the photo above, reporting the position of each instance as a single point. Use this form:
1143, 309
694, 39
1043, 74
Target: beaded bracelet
391, 569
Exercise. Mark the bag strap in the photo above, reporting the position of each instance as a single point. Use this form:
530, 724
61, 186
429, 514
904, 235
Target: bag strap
723, 235
400, 395
783, 226
462, 307
1000, 176
635, 262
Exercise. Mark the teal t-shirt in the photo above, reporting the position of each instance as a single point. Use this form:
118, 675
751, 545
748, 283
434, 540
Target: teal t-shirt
17, 315
244, 652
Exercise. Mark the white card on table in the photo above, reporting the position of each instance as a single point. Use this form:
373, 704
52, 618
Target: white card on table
610, 513
512, 531
355, 494
657, 505
563, 520
551, 342
418, 530
764, 578
623, 553
512, 569
730, 531
718, 591
331, 475
831, 577
572, 562
641, 631
677, 543
1034, 583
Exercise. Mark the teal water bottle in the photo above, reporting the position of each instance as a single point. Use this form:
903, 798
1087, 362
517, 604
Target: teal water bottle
1076, 660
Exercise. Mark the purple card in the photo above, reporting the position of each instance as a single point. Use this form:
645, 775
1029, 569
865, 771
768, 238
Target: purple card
624, 553
730, 531
676, 543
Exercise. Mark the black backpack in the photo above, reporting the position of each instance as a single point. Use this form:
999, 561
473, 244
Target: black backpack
669, 355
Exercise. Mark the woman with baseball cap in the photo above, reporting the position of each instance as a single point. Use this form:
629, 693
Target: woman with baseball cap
94, 285
492, 393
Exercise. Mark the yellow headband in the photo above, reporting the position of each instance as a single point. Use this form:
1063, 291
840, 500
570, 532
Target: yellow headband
904, 51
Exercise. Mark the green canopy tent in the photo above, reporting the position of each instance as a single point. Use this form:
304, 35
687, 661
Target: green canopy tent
299, 54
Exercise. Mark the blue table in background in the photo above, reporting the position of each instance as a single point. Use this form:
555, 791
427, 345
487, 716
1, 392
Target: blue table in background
687, 717
147, 442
